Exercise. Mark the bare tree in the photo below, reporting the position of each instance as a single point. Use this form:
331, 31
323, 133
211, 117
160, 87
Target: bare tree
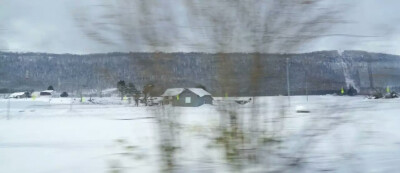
219, 27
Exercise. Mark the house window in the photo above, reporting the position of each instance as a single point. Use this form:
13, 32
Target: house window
187, 99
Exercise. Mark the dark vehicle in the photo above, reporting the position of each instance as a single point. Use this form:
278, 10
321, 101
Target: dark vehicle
64, 94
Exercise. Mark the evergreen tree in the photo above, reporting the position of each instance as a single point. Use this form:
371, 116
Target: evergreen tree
50, 87
202, 87
131, 89
121, 88
352, 91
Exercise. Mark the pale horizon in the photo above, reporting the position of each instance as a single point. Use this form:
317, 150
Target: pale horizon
72, 26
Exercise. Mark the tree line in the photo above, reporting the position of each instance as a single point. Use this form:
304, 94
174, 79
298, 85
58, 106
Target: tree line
130, 90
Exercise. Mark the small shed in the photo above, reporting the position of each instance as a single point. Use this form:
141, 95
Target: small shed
186, 97
18, 95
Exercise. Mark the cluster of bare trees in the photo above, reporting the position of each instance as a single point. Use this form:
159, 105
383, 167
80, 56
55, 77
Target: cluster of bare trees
218, 27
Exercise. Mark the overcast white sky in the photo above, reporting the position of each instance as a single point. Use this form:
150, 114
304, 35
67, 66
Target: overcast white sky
76, 26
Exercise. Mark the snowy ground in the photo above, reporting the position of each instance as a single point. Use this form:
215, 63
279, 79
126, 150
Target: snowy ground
340, 134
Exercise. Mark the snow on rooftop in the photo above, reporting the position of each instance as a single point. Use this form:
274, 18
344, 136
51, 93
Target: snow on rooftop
176, 91
200, 92
109, 90
17, 94
173, 91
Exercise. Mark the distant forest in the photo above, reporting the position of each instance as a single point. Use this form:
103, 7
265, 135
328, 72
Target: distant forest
235, 74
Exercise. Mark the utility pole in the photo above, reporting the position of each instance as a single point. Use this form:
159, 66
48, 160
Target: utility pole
8, 108
371, 79
287, 79
306, 85
70, 104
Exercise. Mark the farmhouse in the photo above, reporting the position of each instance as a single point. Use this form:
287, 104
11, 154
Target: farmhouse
46, 93
186, 97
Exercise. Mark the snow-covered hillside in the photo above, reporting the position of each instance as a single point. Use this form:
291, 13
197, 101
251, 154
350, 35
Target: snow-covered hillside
323, 72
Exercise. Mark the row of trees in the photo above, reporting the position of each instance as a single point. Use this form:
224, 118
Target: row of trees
130, 90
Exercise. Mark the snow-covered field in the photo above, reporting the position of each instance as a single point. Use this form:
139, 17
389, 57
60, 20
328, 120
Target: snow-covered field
340, 134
